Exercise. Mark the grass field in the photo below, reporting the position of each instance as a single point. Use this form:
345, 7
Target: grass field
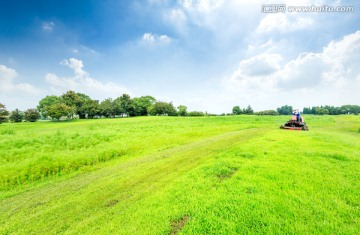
169, 175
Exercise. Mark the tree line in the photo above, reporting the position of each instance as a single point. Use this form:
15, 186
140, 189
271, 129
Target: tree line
78, 105
332, 110
30, 115
288, 109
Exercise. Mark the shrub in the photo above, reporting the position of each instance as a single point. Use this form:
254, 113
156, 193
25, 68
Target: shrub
268, 112
3, 113
16, 116
195, 114
32, 115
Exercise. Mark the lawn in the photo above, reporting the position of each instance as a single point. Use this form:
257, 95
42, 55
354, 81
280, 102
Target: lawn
168, 175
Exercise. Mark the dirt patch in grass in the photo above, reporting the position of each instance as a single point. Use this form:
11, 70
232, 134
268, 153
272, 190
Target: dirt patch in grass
177, 225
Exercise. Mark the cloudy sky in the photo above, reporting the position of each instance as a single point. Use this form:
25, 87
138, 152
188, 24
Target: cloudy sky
209, 55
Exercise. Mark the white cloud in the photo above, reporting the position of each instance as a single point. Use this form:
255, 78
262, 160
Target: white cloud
77, 66
7, 83
260, 65
333, 71
336, 66
82, 82
255, 73
84, 50
306, 71
177, 18
201, 5
48, 26
283, 23
209, 23
153, 39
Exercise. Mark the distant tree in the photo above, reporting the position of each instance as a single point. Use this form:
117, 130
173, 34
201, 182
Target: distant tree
236, 110
248, 110
307, 110
267, 112
285, 110
313, 110
332, 110
75, 100
196, 114
182, 110
70, 98
141, 105
124, 105
321, 111
56, 111
107, 108
162, 108
3, 113
32, 115
350, 109
90, 108
16, 116
46, 102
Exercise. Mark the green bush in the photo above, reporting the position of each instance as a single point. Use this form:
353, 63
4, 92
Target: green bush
195, 114
16, 116
267, 112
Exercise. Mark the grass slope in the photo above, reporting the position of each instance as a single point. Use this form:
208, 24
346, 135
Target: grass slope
209, 175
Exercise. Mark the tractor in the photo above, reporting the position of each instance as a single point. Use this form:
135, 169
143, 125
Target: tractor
295, 123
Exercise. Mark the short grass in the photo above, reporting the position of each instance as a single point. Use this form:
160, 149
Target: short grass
169, 175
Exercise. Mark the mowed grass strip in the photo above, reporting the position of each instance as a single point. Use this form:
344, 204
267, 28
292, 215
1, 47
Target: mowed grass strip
251, 179
33, 152
87, 196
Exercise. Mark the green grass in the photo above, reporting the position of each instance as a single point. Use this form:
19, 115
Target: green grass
167, 175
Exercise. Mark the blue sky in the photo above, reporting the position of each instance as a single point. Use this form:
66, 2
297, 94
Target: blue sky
208, 55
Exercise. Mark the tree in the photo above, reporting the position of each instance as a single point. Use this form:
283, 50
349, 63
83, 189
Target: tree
32, 115
107, 108
321, 111
90, 108
16, 116
268, 112
307, 110
56, 111
350, 109
162, 108
46, 102
142, 104
76, 100
236, 110
3, 113
313, 110
182, 110
195, 114
124, 105
285, 110
248, 110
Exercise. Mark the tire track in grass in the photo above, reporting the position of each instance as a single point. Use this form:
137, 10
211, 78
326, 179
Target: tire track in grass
123, 183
